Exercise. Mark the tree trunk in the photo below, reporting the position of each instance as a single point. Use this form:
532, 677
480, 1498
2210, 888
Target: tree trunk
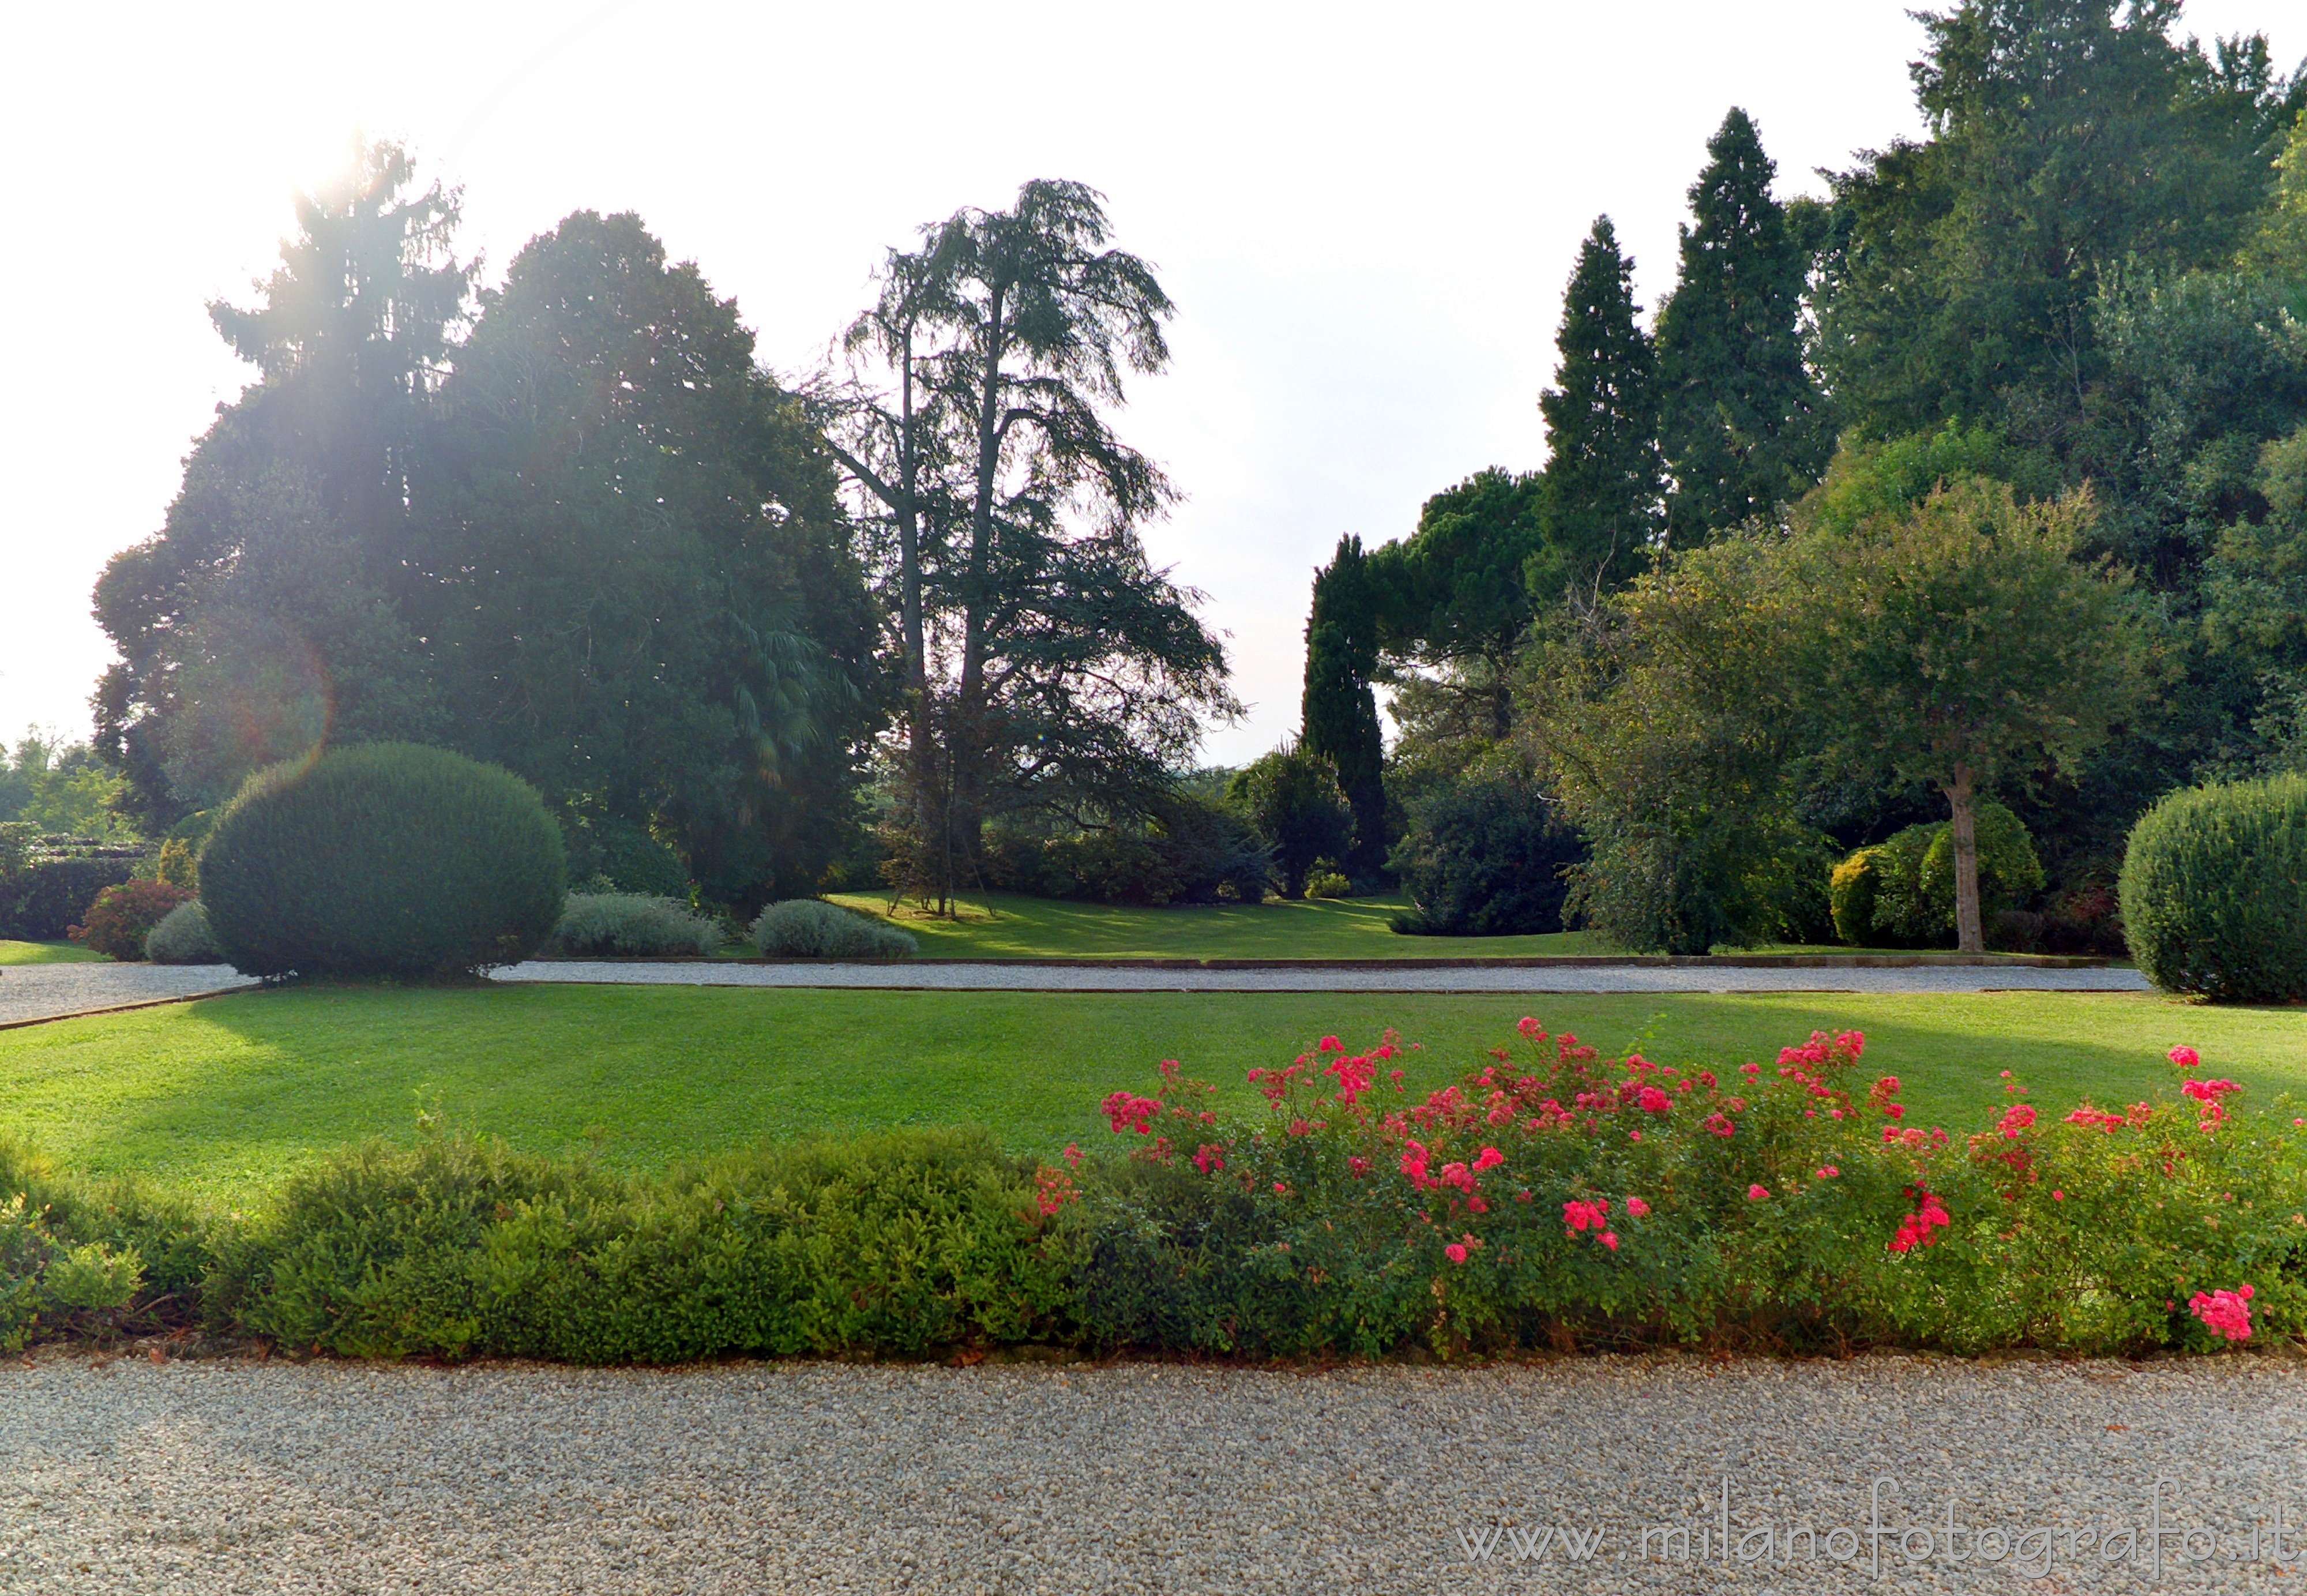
967, 751
920, 727
1963, 799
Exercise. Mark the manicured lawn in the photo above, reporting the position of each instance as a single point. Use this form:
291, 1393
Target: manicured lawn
48, 953
223, 1095
1003, 925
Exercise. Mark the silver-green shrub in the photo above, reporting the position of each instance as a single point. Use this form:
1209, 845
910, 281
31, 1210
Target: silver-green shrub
811, 928
596, 924
181, 937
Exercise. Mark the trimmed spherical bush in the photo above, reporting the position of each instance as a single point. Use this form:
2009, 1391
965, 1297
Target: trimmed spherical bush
183, 937
811, 928
382, 858
2214, 891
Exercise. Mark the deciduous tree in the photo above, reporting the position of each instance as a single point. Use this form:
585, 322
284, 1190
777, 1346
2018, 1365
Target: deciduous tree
1962, 644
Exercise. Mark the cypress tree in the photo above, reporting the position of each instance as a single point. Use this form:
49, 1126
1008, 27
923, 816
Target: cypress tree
1741, 424
1605, 481
1340, 713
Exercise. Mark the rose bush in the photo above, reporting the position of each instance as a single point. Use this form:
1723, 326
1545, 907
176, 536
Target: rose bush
1553, 1197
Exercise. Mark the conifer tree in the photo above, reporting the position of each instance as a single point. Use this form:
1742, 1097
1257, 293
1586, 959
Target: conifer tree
1341, 712
1740, 421
1605, 481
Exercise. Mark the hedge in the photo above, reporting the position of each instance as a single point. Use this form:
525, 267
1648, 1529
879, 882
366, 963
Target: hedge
47, 883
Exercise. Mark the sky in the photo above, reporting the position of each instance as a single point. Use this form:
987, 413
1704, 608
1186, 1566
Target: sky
1366, 216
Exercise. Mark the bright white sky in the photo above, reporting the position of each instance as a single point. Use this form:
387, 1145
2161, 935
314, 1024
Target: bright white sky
1366, 216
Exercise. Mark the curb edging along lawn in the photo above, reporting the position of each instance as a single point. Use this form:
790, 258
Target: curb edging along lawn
43, 1019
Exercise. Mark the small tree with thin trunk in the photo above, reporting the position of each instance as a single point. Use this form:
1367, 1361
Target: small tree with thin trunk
1959, 642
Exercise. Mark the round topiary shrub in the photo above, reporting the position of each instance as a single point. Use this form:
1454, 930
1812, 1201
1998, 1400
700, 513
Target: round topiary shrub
382, 859
2214, 891
811, 928
183, 937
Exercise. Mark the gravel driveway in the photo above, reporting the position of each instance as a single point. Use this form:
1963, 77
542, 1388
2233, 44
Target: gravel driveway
1403, 978
232, 1476
52, 991
44, 991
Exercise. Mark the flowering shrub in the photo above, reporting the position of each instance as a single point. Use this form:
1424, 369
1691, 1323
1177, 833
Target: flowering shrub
1548, 1197
1554, 1197
2228, 1313
122, 917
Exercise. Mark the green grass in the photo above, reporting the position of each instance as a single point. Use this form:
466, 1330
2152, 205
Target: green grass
222, 1096
1837, 948
48, 953
1004, 925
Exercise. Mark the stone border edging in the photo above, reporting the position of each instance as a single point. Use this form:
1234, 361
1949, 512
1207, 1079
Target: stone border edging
50, 1020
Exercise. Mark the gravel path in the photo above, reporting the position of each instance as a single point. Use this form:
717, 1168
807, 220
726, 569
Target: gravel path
47, 991
1622, 978
52, 991
231, 1476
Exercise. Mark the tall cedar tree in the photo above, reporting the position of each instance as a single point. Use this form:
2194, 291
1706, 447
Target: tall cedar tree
1052, 665
1340, 713
1605, 481
1741, 424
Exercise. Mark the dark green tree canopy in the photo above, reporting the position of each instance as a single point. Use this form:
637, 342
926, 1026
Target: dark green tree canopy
1457, 586
641, 594
1340, 711
1741, 425
2067, 136
1605, 481
592, 541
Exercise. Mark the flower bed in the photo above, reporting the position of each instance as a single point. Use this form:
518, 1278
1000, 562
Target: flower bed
1551, 1198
